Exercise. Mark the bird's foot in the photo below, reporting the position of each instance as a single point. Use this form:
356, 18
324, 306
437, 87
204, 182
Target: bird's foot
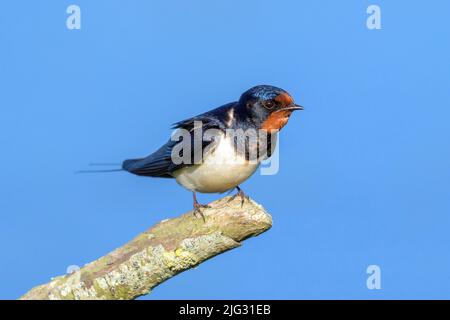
240, 194
198, 208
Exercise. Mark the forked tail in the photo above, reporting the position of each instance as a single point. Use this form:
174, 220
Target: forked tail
103, 170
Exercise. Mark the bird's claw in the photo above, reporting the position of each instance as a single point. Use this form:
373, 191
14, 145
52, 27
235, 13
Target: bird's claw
242, 195
197, 210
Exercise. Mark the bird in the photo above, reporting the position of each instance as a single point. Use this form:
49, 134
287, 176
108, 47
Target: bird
225, 161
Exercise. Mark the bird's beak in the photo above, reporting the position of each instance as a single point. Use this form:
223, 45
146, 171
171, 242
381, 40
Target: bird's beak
294, 107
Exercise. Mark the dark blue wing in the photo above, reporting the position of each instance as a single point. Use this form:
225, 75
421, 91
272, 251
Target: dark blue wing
159, 163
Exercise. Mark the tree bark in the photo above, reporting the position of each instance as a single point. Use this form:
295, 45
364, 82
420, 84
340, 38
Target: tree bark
166, 249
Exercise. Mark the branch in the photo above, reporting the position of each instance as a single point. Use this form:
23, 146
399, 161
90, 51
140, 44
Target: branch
168, 248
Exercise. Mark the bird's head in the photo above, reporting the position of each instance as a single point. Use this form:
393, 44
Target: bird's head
269, 107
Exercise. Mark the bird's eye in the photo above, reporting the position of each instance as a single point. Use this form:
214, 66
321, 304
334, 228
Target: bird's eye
269, 104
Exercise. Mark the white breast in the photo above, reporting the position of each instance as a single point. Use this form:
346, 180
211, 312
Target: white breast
220, 171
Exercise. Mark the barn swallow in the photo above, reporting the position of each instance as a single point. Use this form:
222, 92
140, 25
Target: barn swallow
263, 108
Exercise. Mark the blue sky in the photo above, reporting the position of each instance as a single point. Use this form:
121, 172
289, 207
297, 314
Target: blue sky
364, 175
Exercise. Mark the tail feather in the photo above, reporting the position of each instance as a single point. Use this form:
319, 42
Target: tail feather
104, 164
101, 171
151, 166
98, 171
128, 164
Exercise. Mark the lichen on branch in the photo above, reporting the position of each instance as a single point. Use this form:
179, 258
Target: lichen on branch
166, 249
